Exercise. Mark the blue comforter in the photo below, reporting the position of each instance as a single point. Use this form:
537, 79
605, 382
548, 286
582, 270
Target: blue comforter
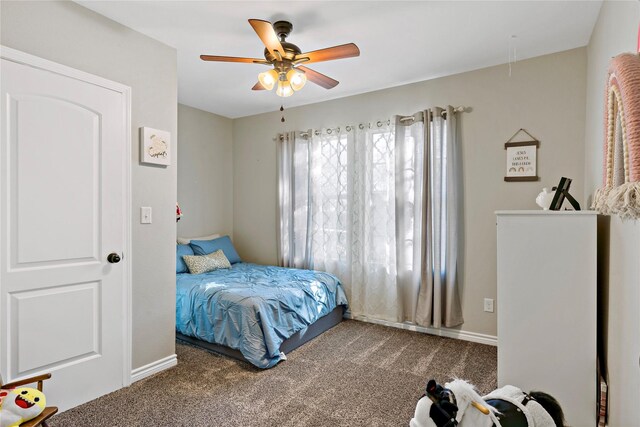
254, 308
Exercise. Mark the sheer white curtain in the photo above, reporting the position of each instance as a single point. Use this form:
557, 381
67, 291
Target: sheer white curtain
337, 211
363, 203
373, 281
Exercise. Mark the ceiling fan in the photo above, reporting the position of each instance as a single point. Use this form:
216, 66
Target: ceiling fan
286, 58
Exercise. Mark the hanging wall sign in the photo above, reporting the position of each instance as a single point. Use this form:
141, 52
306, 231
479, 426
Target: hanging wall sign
522, 158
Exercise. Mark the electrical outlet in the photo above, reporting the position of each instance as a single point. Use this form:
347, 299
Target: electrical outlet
145, 215
488, 305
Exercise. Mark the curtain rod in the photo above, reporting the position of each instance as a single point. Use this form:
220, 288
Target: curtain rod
348, 128
459, 109
379, 123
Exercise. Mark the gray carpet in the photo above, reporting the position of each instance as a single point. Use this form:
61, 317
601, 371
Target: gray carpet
356, 374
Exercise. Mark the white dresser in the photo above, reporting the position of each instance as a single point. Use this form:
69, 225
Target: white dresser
546, 306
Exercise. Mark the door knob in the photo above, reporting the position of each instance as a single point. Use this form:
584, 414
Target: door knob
113, 258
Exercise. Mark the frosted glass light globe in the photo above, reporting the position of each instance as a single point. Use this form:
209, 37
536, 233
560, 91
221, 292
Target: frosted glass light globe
297, 78
268, 79
284, 89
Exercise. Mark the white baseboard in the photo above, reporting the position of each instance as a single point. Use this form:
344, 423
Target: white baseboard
442, 332
153, 368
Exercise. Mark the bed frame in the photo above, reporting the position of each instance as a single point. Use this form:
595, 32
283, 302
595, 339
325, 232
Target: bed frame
321, 325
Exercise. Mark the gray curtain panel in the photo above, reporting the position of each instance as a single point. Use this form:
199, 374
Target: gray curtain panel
428, 212
438, 299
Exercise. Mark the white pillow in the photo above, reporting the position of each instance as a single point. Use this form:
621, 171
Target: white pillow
187, 240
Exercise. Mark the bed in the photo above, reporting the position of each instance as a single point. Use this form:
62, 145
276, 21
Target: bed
254, 312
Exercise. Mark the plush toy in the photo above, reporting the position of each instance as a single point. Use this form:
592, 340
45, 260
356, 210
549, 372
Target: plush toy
178, 212
458, 404
20, 405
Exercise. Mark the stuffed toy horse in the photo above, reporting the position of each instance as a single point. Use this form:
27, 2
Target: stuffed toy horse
459, 404
20, 405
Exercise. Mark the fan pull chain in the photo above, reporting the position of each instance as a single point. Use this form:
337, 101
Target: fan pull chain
282, 109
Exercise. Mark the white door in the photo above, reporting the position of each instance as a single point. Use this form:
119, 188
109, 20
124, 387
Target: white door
63, 210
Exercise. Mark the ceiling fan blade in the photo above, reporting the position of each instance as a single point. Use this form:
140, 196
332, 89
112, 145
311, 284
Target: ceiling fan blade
258, 86
318, 78
267, 34
232, 59
348, 50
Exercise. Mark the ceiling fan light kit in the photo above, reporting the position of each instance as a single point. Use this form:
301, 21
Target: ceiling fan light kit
268, 79
297, 78
288, 81
284, 89
287, 75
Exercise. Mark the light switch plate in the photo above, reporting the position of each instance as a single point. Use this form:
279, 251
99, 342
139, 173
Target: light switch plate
145, 215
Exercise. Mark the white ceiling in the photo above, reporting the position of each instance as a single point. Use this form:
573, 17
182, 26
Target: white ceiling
400, 41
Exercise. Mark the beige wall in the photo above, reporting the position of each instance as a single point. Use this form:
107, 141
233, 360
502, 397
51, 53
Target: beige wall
545, 95
72, 35
615, 32
205, 179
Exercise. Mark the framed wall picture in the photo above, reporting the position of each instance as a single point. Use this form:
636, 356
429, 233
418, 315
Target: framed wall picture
155, 146
522, 159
